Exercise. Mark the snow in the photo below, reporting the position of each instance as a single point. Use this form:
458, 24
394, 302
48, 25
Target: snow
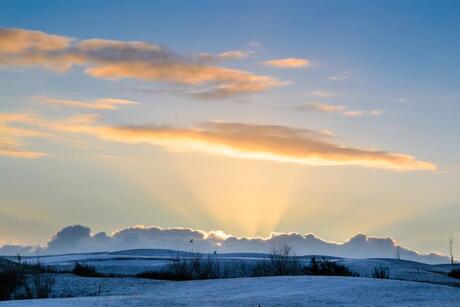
131, 262
433, 286
267, 291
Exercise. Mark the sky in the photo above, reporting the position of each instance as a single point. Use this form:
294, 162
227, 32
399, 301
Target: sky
249, 117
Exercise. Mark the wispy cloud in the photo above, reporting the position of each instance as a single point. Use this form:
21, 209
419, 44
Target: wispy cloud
376, 112
340, 109
239, 140
340, 76
292, 63
113, 60
227, 55
324, 107
11, 136
252, 141
322, 94
95, 104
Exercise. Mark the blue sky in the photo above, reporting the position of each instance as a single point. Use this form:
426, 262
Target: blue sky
381, 75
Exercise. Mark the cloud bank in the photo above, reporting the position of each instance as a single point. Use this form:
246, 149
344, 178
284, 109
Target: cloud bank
78, 238
113, 60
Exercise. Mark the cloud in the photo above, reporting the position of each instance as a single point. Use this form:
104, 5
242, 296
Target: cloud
340, 76
240, 140
339, 109
324, 107
254, 141
352, 113
376, 112
291, 63
11, 138
78, 238
322, 94
95, 104
113, 60
227, 55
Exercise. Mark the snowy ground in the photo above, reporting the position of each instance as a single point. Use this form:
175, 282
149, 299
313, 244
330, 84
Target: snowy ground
433, 287
131, 262
264, 291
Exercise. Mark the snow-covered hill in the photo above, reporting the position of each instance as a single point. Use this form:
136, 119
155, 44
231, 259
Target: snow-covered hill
267, 291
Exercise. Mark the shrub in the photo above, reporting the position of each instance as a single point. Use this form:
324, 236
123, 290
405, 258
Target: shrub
25, 280
381, 272
186, 269
11, 279
42, 281
454, 273
281, 261
85, 270
327, 268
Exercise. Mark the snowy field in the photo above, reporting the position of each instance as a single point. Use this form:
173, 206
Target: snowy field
410, 284
263, 291
131, 262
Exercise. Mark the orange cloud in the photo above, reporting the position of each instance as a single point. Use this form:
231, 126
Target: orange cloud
261, 142
239, 140
289, 63
324, 107
11, 144
14, 41
114, 60
95, 104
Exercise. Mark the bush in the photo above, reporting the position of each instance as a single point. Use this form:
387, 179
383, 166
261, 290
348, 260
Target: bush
40, 282
454, 273
11, 279
85, 270
281, 261
25, 280
327, 268
186, 269
381, 272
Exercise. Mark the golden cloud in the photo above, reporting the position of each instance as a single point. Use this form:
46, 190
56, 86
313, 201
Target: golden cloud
109, 59
16, 41
95, 104
232, 139
251, 141
11, 137
289, 63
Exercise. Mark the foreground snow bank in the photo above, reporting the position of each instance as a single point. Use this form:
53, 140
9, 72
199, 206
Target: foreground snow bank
268, 291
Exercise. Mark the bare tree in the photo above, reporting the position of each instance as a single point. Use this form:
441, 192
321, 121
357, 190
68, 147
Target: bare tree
398, 252
282, 261
451, 250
